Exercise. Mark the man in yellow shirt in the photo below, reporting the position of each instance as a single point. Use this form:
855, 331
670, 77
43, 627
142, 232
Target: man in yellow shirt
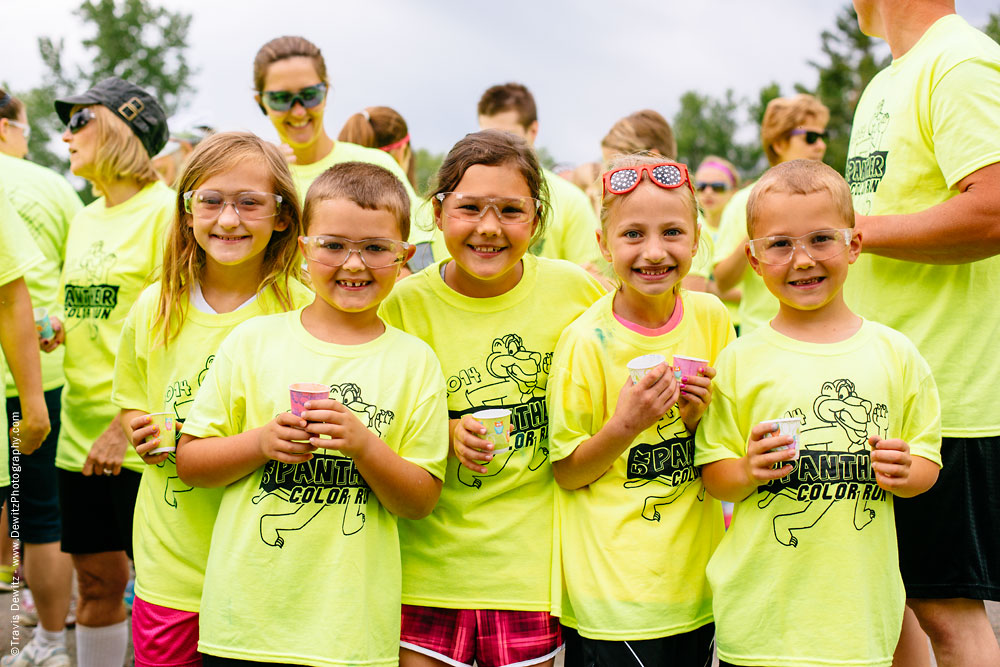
924, 170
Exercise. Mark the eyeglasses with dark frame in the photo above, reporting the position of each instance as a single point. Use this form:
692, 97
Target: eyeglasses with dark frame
283, 100
811, 136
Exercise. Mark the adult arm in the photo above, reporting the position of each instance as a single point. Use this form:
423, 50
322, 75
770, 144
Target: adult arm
966, 228
19, 340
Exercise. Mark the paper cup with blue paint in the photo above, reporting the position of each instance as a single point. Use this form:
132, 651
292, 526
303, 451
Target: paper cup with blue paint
167, 435
789, 426
302, 392
497, 423
43, 325
638, 367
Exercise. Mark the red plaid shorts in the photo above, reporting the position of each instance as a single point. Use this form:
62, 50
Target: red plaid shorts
490, 638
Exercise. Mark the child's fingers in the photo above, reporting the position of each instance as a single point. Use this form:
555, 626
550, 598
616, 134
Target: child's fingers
891, 444
139, 435
472, 458
289, 434
139, 421
763, 429
708, 372
155, 459
288, 419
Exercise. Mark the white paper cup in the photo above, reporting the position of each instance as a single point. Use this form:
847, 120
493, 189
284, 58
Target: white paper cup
43, 325
168, 425
638, 367
789, 426
497, 423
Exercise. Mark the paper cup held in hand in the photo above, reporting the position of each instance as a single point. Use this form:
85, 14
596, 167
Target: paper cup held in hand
168, 433
301, 392
638, 367
689, 366
43, 325
789, 426
497, 423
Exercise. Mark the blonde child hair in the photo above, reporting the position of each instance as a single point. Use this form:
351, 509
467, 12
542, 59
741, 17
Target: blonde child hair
645, 130
801, 177
184, 260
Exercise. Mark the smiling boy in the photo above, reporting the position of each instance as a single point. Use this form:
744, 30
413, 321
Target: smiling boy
311, 501
811, 552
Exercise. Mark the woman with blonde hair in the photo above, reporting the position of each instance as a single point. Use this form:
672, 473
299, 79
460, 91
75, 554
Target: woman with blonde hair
114, 245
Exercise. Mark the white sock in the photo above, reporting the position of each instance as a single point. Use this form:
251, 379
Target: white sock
101, 647
43, 639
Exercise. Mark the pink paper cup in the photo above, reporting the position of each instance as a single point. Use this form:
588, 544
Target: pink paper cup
306, 391
689, 366
168, 425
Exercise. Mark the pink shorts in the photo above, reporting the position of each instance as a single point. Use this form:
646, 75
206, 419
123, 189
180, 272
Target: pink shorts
490, 638
164, 637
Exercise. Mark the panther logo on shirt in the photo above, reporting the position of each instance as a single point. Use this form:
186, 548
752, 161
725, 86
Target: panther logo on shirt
866, 168
88, 296
668, 462
327, 479
511, 377
834, 463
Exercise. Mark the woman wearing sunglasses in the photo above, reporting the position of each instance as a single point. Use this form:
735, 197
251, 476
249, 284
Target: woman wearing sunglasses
113, 246
793, 128
290, 78
47, 202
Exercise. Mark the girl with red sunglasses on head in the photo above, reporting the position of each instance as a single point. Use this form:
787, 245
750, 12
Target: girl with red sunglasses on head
636, 528
289, 75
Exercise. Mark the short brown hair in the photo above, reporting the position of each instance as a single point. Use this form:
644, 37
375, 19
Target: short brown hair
120, 154
644, 130
370, 186
784, 114
509, 97
801, 177
494, 148
10, 106
281, 48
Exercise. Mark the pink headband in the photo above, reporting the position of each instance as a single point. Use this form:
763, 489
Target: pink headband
719, 165
396, 144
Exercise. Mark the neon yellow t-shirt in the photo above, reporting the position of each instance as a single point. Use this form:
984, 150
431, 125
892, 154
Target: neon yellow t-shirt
819, 546
18, 255
732, 306
46, 202
172, 526
635, 542
757, 305
421, 227
289, 580
923, 124
495, 353
572, 225
111, 254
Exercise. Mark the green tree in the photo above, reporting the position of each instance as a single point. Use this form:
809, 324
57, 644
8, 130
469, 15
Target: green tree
850, 60
132, 39
428, 164
705, 126
992, 27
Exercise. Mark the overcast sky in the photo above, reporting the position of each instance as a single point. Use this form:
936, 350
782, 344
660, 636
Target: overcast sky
588, 63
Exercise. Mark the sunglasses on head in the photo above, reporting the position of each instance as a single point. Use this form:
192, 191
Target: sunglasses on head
283, 100
667, 175
79, 120
717, 186
811, 136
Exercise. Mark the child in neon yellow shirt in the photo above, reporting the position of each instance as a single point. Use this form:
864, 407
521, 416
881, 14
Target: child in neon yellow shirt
304, 566
221, 267
811, 553
636, 528
492, 312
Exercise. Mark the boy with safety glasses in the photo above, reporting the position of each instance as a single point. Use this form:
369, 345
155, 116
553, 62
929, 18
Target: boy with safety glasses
812, 544
313, 495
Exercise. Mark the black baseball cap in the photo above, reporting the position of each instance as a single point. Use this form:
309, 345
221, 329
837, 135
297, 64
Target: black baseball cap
132, 104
